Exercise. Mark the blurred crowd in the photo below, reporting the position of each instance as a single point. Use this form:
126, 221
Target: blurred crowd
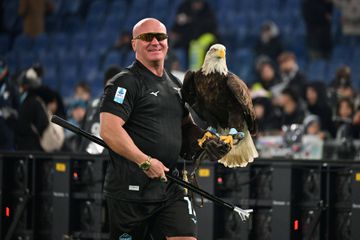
283, 93
26, 107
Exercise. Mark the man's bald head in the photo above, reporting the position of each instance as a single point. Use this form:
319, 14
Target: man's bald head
148, 25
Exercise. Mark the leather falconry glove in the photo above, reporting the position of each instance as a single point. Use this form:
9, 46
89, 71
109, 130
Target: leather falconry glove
214, 147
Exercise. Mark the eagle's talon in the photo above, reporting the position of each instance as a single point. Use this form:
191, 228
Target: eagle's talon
207, 135
227, 139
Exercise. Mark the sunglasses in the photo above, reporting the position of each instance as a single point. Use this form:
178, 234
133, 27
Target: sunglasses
148, 37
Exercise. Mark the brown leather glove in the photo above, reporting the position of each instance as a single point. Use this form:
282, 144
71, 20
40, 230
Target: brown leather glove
191, 147
216, 149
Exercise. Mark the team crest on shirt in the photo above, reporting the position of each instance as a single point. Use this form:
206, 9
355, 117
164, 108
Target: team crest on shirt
120, 95
125, 236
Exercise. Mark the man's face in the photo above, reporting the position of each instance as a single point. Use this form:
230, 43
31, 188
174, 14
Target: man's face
311, 95
267, 73
153, 51
287, 66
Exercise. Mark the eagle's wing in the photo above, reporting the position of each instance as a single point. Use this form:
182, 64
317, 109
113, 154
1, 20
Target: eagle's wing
242, 95
188, 90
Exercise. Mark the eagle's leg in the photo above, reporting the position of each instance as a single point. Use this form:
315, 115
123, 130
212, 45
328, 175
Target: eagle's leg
227, 139
238, 137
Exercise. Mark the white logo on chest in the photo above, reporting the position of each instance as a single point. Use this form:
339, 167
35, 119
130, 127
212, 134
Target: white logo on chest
155, 93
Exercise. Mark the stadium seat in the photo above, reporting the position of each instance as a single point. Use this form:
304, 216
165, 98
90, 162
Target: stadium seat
4, 43
11, 20
181, 55
23, 42
316, 70
111, 58
97, 8
80, 43
41, 42
70, 7
26, 59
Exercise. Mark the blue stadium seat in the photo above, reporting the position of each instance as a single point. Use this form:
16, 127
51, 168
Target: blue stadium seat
71, 24
103, 41
244, 56
26, 59
4, 43
50, 75
69, 59
332, 68
118, 7
181, 55
79, 43
59, 40
53, 24
98, 6
47, 57
68, 75
127, 60
342, 52
111, 58
23, 42
12, 61
89, 63
10, 18
41, 42
70, 7
316, 70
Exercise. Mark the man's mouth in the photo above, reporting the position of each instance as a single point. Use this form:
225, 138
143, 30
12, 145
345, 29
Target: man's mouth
155, 50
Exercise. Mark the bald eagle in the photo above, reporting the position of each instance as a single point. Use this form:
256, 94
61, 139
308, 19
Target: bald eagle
222, 100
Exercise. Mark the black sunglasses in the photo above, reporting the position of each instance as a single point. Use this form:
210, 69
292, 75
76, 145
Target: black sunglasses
148, 37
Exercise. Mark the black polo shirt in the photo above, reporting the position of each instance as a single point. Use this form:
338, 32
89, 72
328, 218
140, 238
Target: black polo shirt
153, 112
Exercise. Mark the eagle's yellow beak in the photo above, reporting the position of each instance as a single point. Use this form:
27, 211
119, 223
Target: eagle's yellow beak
221, 53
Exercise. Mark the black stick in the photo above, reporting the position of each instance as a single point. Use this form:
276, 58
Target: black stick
243, 213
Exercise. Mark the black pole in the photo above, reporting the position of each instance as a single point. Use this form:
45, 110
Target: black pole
77, 130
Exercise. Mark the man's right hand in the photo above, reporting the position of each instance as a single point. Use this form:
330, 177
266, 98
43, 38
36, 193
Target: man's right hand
157, 169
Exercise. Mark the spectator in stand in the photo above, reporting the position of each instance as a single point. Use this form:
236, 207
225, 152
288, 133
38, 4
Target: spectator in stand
341, 86
344, 117
268, 120
317, 104
290, 105
317, 15
312, 126
91, 121
195, 29
33, 13
269, 42
9, 104
267, 78
123, 44
82, 91
356, 124
33, 118
291, 76
350, 15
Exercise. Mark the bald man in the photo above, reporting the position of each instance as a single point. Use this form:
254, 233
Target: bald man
141, 119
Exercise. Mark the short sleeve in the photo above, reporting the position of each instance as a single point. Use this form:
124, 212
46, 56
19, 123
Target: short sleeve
120, 95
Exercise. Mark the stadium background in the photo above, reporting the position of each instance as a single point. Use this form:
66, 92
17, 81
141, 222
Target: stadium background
80, 34
288, 196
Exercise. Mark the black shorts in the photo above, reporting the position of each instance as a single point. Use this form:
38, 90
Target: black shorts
151, 221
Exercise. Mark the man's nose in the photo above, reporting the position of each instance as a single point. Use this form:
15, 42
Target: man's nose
154, 41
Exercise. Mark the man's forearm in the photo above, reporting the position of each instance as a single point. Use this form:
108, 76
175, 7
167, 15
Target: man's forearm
116, 137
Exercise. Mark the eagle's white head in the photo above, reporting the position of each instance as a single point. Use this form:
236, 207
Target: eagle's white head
215, 60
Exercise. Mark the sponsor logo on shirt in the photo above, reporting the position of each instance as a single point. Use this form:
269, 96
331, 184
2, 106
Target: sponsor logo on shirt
125, 236
155, 93
120, 95
133, 188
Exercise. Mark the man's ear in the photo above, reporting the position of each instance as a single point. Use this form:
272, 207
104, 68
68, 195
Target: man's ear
133, 45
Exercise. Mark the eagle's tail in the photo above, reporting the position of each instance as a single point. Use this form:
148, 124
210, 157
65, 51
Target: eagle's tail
241, 154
